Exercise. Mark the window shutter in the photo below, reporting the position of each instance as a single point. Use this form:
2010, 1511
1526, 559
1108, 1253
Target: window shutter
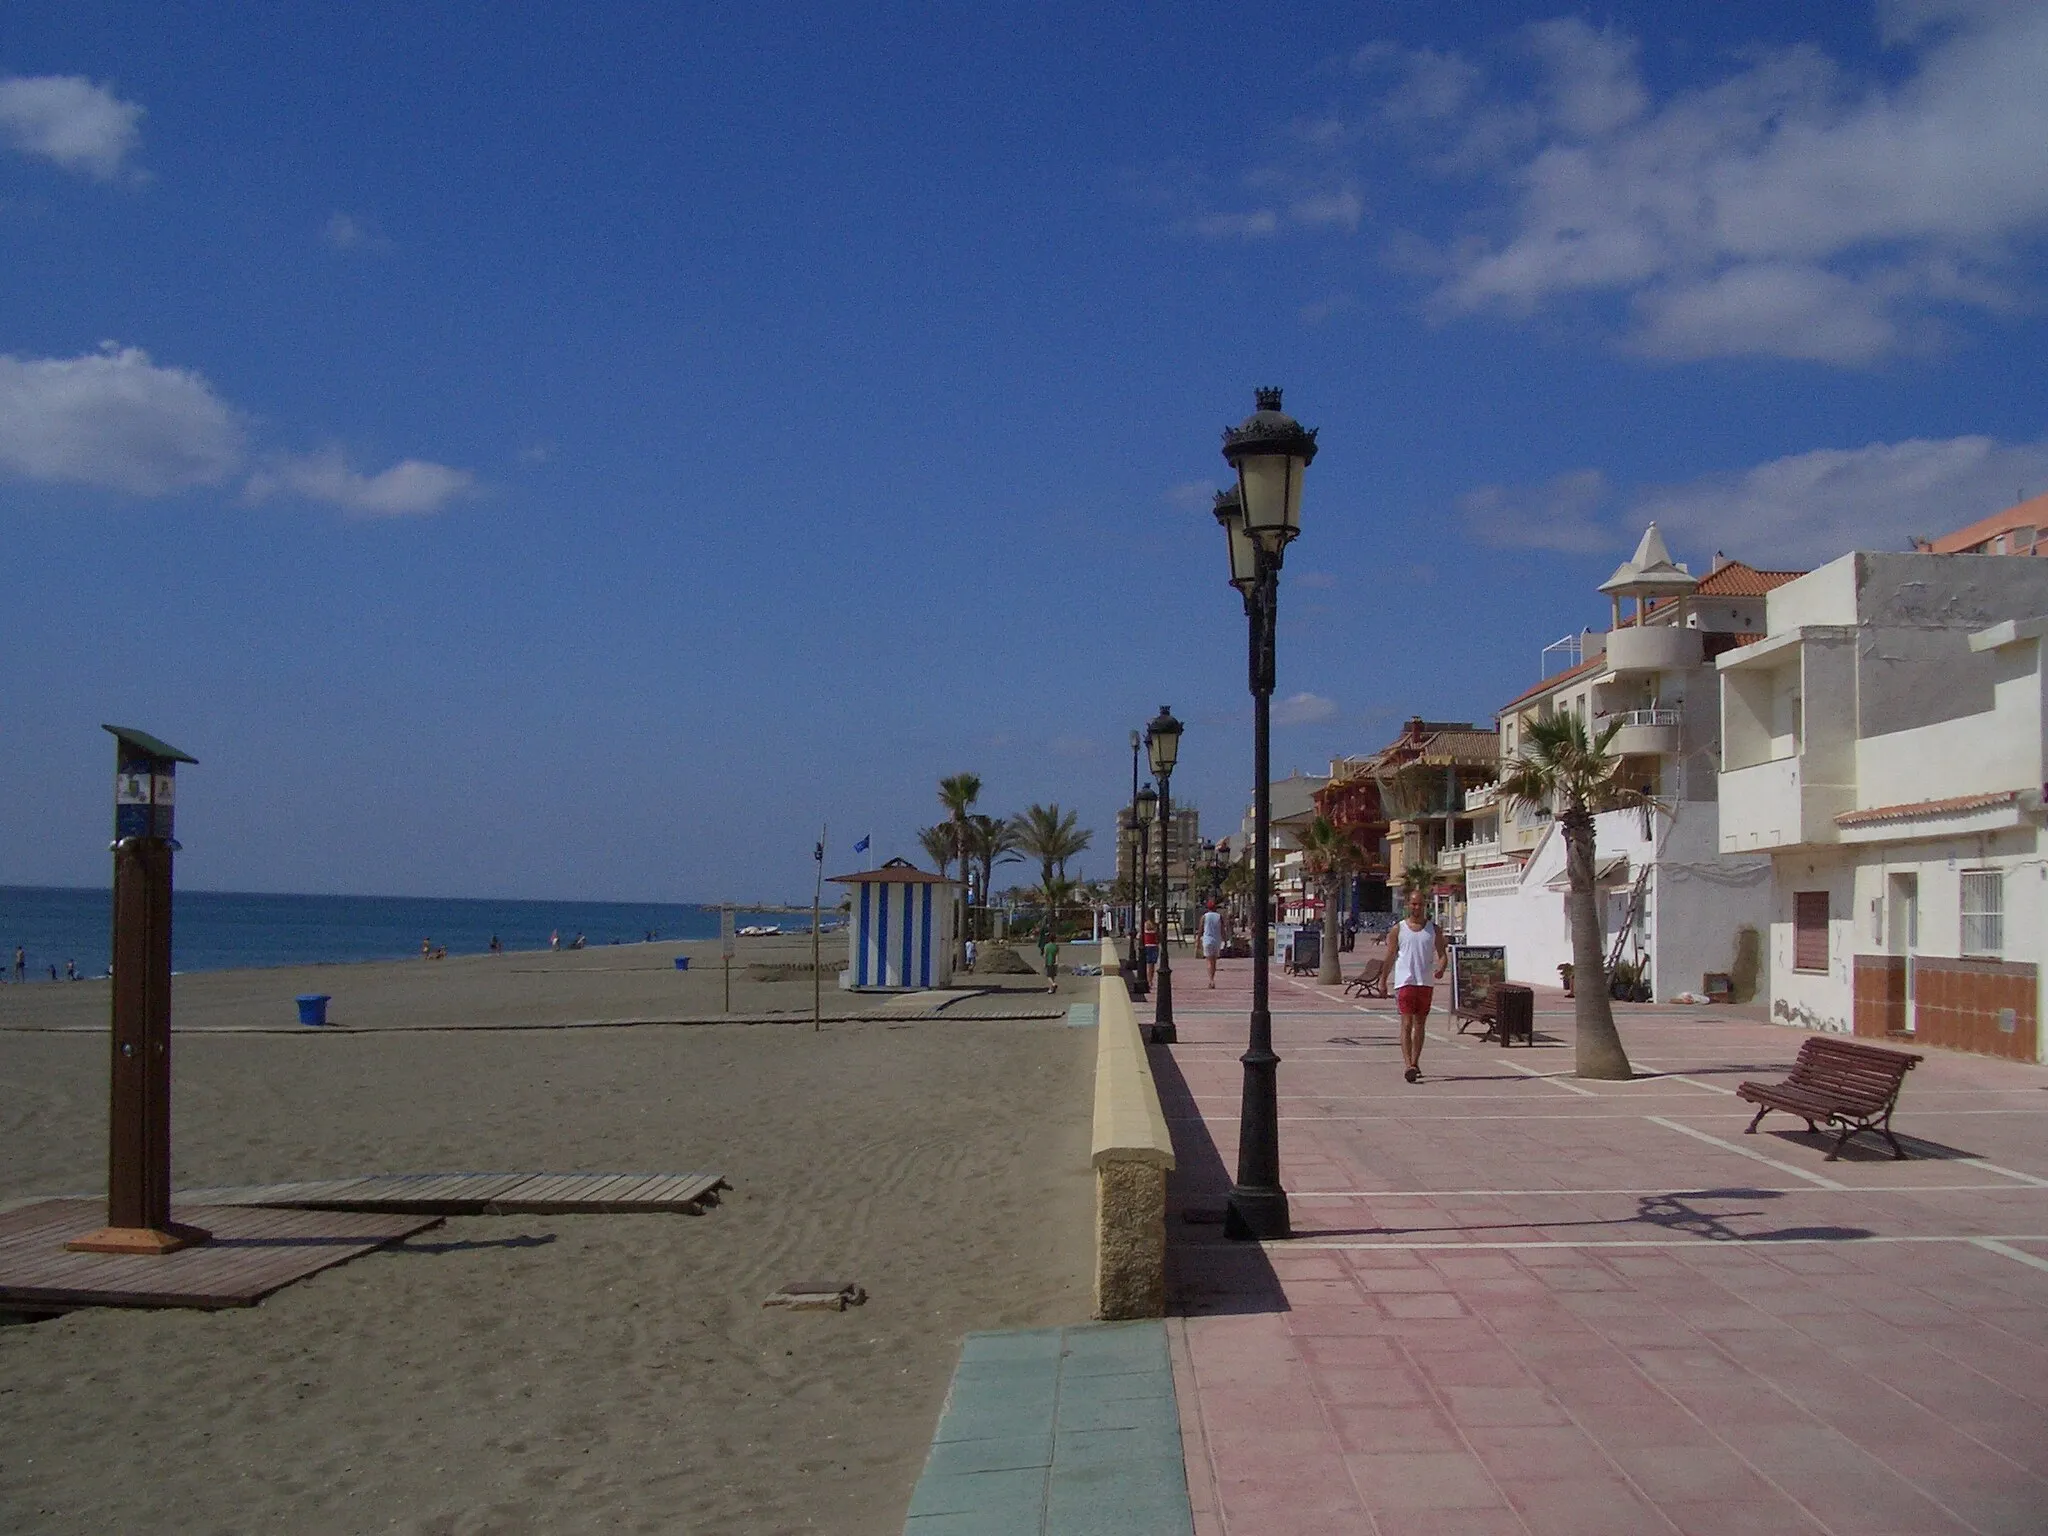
1809, 930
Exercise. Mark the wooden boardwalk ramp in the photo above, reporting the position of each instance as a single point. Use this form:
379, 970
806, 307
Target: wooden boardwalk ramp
478, 1194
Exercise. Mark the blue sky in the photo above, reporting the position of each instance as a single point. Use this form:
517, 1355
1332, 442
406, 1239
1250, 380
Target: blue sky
575, 451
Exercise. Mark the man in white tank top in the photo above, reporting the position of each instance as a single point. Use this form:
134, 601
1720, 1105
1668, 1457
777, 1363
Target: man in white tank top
1414, 945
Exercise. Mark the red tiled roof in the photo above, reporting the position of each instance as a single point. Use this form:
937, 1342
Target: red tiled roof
1554, 679
1955, 806
1736, 579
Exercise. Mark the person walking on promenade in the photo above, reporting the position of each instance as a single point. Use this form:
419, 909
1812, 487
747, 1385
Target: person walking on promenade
1050, 948
1212, 939
20, 963
1412, 944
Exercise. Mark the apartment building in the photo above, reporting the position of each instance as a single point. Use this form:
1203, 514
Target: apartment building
1673, 903
1884, 747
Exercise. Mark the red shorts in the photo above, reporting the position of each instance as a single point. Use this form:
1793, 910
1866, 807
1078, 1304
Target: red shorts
1413, 999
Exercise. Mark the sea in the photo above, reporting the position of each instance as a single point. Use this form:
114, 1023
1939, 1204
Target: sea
62, 927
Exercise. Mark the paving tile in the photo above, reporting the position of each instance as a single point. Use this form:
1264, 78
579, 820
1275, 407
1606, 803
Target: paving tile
1407, 1427
1476, 1405
1534, 1453
1777, 1516
1679, 1474
1585, 1507
1408, 1480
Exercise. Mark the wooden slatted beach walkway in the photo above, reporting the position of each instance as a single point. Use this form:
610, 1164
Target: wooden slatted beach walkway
479, 1194
253, 1252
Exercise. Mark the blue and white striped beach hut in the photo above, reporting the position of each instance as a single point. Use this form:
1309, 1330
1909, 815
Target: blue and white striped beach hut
901, 934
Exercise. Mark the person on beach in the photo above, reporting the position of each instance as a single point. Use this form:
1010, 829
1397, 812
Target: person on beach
20, 963
1412, 944
555, 939
1212, 939
1050, 948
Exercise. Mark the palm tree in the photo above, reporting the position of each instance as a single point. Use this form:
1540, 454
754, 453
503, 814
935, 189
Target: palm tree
957, 793
990, 841
1055, 893
1333, 854
1566, 772
1051, 836
937, 842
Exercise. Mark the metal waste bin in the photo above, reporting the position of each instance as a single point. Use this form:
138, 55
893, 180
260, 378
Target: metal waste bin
1514, 1013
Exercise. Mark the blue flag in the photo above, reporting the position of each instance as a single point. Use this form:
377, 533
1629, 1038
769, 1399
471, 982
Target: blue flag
861, 846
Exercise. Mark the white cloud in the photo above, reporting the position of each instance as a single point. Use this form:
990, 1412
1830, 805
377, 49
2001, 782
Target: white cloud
411, 487
1810, 507
1071, 746
114, 419
1784, 208
1342, 208
70, 121
1562, 513
1796, 511
1192, 495
1303, 709
1259, 224
346, 232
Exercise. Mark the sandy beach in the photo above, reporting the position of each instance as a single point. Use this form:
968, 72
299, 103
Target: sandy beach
550, 1373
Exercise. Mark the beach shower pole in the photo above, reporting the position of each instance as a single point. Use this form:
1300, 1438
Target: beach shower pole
1162, 740
1260, 517
139, 1098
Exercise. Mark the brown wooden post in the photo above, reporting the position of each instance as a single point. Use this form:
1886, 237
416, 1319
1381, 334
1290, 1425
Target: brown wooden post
139, 1100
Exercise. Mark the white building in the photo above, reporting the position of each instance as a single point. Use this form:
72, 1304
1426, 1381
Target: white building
1673, 903
1884, 745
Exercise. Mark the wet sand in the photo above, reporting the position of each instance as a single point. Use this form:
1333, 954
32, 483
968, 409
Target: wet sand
557, 1373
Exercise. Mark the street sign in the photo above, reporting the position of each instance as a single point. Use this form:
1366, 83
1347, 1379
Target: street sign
725, 931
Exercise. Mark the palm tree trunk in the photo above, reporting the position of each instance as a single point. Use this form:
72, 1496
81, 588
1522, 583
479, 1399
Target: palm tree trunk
1332, 971
1600, 1054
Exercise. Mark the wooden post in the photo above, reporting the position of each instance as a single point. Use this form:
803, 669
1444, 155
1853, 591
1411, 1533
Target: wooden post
817, 892
725, 944
139, 1098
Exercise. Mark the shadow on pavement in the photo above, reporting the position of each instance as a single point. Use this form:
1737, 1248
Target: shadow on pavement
1206, 1273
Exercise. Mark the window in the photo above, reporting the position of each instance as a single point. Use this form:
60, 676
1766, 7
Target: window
1809, 930
1983, 912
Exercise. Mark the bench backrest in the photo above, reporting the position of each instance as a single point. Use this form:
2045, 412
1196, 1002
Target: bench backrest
1866, 1074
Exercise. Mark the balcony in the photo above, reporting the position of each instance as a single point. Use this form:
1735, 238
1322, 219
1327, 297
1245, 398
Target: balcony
1647, 732
1653, 648
1776, 805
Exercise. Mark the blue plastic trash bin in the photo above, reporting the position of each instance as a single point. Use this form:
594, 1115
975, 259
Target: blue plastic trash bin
313, 1008
682, 962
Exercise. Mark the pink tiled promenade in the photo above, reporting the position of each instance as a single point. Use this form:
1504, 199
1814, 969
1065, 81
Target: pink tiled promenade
1516, 1302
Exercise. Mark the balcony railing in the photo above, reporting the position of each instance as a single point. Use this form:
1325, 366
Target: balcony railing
1647, 717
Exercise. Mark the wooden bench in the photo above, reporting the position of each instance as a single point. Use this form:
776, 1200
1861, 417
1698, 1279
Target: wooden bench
1370, 982
1841, 1083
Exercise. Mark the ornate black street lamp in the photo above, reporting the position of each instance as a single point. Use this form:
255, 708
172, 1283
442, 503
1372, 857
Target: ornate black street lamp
1134, 970
1260, 518
1148, 808
1162, 740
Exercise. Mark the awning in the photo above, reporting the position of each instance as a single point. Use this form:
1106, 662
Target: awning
1612, 868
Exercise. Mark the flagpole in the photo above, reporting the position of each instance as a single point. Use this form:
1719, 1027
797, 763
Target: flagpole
817, 892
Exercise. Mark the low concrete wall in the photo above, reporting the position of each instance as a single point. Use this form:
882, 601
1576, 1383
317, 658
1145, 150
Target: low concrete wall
1133, 1153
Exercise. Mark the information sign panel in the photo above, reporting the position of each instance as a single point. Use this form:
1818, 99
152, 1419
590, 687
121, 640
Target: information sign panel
1475, 970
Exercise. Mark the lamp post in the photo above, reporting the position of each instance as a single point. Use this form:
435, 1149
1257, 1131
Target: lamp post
1260, 517
1148, 808
1134, 972
1162, 741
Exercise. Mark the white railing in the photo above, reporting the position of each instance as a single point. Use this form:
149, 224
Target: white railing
1647, 717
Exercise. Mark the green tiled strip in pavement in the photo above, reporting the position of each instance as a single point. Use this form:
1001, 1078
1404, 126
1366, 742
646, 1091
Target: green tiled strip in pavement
1057, 1432
1081, 1016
